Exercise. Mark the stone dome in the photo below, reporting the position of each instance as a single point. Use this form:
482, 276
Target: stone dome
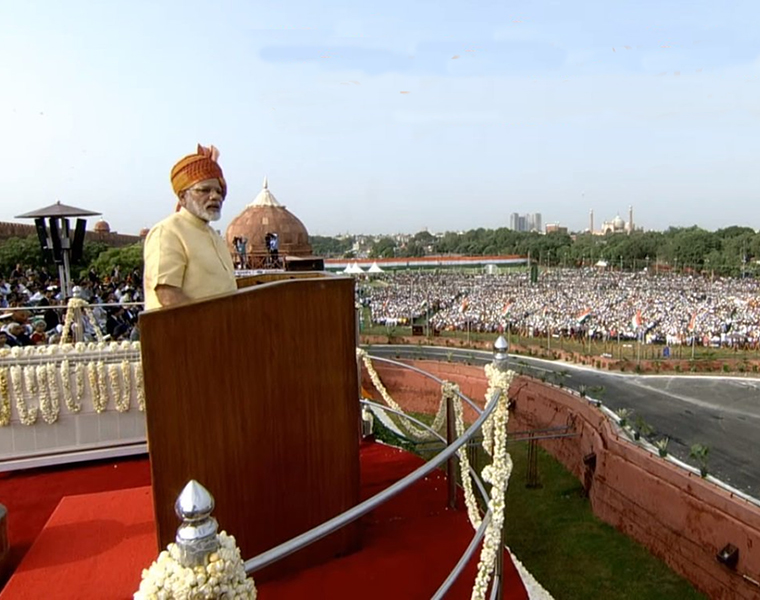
144, 232
266, 215
102, 226
618, 222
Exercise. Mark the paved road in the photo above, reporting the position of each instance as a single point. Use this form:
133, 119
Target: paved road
722, 412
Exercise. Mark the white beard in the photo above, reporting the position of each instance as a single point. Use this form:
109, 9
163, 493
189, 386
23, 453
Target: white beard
196, 207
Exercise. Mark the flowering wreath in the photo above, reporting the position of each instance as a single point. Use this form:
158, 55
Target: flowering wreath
222, 576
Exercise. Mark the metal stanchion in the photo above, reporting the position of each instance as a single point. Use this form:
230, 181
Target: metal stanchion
196, 537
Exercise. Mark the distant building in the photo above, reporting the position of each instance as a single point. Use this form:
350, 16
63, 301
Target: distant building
616, 225
555, 228
528, 222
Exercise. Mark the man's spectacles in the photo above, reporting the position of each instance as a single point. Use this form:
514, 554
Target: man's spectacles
207, 190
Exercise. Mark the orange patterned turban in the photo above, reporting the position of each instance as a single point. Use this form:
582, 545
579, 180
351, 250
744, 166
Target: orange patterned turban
197, 167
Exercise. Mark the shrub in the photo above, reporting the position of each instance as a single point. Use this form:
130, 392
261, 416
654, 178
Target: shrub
662, 446
700, 453
623, 414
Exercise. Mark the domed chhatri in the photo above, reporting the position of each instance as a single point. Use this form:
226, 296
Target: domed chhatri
102, 226
144, 232
265, 215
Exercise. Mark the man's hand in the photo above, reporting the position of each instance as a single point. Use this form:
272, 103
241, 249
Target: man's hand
169, 295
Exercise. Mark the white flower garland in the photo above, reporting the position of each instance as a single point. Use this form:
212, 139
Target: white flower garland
408, 425
140, 383
98, 402
65, 372
27, 416
55, 375
79, 383
48, 407
102, 382
53, 386
5, 398
535, 590
120, 400
497, 380
126, 390
30, 379
473, 512
497, 474
73, 305
223, 576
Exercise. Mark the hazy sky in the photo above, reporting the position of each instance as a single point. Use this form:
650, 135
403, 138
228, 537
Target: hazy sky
386, 117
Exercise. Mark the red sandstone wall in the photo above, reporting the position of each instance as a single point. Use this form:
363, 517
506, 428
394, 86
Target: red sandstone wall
680, 517
116, 240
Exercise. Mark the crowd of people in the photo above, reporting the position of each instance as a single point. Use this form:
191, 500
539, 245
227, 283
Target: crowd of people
671, 309
668, 308
33, 307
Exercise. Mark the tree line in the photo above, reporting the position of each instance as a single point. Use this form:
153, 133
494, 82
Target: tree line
95, 255
731, 251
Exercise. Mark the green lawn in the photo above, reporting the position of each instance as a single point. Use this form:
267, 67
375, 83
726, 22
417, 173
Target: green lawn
573, 554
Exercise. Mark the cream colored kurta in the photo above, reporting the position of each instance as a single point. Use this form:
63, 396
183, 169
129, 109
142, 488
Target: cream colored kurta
184, 251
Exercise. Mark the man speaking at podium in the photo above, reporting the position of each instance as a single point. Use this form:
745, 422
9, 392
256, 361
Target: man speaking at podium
185, 259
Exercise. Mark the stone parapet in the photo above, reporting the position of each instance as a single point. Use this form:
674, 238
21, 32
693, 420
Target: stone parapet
680, 517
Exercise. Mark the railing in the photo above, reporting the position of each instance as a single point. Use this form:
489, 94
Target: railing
447, 455
252, 261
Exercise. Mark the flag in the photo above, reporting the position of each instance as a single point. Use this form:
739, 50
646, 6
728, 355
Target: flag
693, 322
465, 304
636, 320
584, 315
505, 310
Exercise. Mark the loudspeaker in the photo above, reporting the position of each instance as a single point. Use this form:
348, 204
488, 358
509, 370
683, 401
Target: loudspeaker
77, 244
55, 236
42, 236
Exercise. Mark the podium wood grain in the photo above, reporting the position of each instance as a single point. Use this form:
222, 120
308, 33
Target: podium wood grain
255, 395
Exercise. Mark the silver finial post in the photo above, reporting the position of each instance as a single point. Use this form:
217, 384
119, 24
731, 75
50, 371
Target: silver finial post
501, 353
196, 537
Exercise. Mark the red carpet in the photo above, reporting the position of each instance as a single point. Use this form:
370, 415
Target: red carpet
95, 546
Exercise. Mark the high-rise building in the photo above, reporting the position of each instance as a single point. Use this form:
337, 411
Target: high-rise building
528, 222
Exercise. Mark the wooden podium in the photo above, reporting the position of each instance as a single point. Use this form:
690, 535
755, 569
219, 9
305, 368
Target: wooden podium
255, 395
